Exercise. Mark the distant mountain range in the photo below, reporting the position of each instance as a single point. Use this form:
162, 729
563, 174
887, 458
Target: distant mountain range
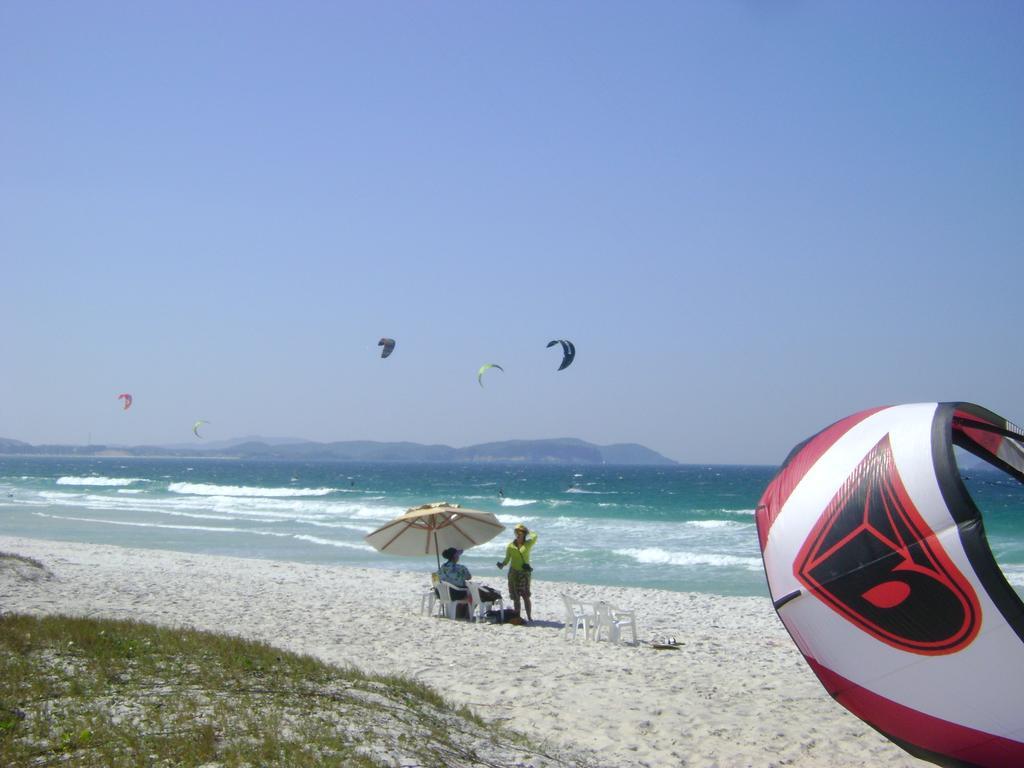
553, 451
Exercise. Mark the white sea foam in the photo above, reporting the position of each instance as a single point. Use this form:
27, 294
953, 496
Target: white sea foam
334, 543
657, 556
130, 490
158, 525
488, 550
1014, 575
562, 521
59, 496
365, 512
509, 502
297, 509
96, 480
514, 519
207, 516
715, 524
741, 512
590, 493
346, 526
209, 489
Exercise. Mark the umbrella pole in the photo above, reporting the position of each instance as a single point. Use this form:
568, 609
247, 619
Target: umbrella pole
436, 552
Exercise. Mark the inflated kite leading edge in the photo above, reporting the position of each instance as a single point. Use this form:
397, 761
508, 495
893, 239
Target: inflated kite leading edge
483, 369
878, 565
568, 352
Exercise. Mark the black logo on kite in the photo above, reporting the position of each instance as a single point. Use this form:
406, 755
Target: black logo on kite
873, 559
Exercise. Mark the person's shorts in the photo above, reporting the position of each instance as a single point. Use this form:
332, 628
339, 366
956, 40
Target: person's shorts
518, 583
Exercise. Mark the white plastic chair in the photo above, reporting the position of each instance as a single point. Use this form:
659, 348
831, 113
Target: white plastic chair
450, 606
428, 598
614, 620
578, 616
480, 607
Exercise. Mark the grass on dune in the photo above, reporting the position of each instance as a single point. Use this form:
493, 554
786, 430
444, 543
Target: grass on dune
85, 692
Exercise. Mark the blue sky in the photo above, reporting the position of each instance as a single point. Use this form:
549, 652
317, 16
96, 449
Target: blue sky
752, 218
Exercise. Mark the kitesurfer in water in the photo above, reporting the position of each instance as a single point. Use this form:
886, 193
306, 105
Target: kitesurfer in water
517, 558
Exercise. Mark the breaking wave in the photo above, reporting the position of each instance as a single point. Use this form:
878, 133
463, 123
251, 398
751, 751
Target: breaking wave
95, 480
508, 502
208, 489
656, 556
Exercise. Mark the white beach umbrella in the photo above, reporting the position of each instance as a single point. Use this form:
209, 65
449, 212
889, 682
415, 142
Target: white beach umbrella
432, 528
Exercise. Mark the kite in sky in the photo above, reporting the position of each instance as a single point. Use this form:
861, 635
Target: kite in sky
388, 344
484, 368
195, 427
878, 565
127, 400
568, 352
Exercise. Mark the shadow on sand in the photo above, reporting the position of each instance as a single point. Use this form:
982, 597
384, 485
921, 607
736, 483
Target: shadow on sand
551, 624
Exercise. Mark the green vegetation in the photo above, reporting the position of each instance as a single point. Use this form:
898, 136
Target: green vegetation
11, 559
85, 692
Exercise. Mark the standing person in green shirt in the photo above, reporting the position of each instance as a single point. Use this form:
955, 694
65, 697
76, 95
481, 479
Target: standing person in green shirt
517, 557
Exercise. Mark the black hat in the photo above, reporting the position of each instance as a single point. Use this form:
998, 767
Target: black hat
451, 553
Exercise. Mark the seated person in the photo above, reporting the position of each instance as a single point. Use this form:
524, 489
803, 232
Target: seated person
456, 574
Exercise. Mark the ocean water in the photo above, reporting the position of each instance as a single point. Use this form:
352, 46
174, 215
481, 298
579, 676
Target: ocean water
684, 528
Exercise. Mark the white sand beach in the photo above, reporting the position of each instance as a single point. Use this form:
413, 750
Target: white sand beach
736, 693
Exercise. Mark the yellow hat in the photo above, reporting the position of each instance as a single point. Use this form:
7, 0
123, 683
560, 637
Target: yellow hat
521, 527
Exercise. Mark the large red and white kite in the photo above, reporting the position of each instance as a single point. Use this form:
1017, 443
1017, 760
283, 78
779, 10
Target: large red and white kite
878, 565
